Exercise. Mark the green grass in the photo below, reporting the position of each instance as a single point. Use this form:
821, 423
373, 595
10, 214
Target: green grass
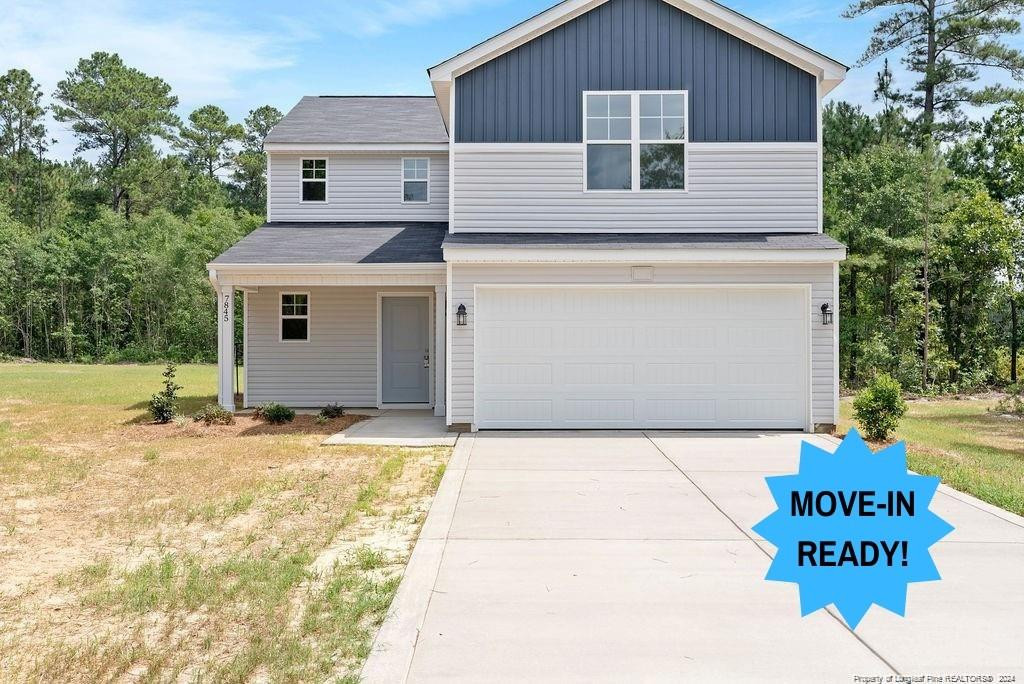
199, 543
972, 449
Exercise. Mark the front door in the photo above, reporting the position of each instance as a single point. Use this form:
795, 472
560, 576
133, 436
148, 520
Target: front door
405, 350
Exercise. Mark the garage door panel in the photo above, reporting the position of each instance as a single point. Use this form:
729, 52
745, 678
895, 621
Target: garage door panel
640, 356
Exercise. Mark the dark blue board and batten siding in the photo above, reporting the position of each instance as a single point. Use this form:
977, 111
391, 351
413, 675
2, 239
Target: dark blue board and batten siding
738, 92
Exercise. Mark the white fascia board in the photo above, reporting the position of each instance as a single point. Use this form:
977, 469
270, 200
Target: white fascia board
639, 256
327, 269
829, 71
355, 147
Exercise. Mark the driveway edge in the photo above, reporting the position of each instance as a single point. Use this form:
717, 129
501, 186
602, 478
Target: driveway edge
393, 648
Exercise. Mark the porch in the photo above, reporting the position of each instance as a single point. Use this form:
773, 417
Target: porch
328, 316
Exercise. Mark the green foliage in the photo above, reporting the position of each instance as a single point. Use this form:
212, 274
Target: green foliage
879, 407
274, 413
1013, 403
332, 411
164, 404
214, 414
116, 110
946, 44
207, 139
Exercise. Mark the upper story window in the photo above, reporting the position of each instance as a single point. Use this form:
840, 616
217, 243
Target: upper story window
294, 317
314, 180
635, 140
416, 180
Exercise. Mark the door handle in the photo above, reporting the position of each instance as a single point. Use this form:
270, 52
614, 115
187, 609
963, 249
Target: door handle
426, 360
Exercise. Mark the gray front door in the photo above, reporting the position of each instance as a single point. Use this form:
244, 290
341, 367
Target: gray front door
405, 350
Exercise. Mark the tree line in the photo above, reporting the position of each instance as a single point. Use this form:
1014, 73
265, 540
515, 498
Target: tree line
105, 260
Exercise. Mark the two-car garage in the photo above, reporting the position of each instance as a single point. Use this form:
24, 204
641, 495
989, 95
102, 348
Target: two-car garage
642, 356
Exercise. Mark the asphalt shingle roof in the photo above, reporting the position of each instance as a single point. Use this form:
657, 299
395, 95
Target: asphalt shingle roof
397, 242
340, 119
627, 240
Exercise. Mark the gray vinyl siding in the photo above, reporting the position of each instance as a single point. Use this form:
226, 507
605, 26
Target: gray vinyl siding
732, 188
360, 187
820, 276
738, 92
337, 364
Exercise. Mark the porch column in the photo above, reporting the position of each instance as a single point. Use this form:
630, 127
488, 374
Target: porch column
440, 335
226, 346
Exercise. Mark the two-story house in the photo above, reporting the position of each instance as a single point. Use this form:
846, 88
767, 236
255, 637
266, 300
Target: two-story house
608, 216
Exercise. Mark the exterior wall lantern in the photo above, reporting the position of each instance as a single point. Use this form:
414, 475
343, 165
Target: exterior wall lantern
460, 315
827, 316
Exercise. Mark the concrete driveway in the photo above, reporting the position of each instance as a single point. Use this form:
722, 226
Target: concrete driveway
628, 556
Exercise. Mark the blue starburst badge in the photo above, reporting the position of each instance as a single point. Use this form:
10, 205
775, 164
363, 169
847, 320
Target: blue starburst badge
853, 528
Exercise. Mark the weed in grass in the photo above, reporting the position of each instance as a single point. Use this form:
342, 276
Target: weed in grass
150, 456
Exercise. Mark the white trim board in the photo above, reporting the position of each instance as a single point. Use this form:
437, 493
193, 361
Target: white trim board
313, 148
634, 255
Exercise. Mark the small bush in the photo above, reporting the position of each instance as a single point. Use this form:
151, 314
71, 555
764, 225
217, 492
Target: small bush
274, 413
214, 414
164, 404
879, 407
1013, 403
332, 411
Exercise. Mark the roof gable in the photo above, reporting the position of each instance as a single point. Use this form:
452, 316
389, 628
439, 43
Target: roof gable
828, 71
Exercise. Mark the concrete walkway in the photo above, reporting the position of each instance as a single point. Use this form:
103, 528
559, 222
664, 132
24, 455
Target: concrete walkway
625, 556
397, 427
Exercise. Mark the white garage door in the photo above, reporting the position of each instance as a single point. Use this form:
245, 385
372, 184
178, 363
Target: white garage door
642, 356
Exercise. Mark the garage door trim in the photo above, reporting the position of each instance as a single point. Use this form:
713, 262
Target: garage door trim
803, 288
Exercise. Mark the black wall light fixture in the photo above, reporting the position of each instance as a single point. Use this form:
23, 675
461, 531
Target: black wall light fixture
827, 316
460, 315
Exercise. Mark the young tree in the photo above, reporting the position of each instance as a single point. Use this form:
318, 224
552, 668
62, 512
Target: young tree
251, 163
892, 122
947, 43
207, 140
115, 109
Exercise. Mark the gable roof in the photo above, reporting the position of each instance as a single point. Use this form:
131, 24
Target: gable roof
828, 71
329, 119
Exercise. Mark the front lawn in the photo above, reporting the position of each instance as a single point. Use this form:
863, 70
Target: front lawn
971, 449
180, 552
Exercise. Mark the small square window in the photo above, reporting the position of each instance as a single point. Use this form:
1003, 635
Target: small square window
314, 180
416, 180
294, 317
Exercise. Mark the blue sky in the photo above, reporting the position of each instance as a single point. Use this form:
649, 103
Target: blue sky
240, 54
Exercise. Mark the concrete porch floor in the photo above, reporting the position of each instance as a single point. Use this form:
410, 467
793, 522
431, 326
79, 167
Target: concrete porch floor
397, 427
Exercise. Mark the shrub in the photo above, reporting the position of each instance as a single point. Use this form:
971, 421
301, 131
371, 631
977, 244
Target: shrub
274, 413
214, 414
164, 404
1013, 403
879, 407
332, 411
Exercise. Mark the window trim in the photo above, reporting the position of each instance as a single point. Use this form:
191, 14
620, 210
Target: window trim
326, 181
415, 180
281, 317
636, 141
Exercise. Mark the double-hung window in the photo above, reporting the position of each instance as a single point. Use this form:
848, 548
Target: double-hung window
294, 317
416, 180
314, 180
635, 141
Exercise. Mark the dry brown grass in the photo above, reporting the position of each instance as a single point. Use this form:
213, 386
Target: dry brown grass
131, 551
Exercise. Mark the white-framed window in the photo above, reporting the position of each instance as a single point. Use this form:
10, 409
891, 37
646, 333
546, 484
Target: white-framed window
295, 317
635, 141
416, 180
314, 180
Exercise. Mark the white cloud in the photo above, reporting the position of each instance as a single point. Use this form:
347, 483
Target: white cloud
374, 17
200, 55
